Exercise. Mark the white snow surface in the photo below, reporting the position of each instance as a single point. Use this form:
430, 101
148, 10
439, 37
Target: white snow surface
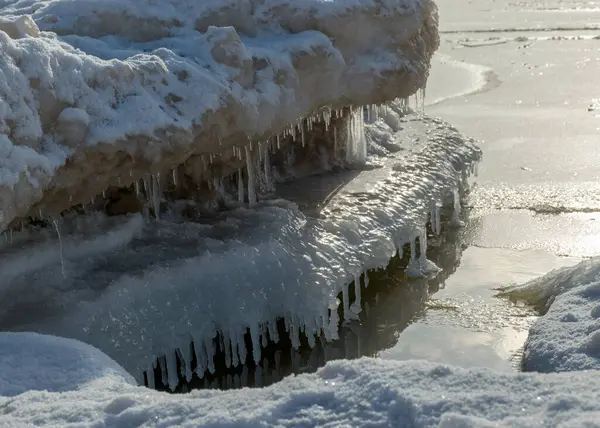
35, 362
139, 289
567, 337
151, 83
360, 393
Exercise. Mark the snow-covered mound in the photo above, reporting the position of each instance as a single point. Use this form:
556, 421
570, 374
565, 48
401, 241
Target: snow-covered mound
101, 93
34, 362
567, 337
359, 393
140, 289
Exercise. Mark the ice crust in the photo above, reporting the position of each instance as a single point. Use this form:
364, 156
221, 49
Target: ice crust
103, 93
365, 392
141, 289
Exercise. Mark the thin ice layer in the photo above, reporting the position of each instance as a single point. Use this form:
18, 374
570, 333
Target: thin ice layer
122, 89
142, 288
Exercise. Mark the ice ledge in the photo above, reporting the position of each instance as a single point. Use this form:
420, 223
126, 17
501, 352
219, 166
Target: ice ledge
110, 91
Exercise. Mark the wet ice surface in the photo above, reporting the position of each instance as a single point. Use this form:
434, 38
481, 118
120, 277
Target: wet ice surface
464, 324
535, 205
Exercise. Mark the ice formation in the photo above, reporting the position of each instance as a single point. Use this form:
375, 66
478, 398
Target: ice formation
142, 289
126, 127
131, 93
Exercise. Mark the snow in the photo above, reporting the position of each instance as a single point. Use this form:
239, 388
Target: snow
567, 337
156, 82
34, 362
365, 392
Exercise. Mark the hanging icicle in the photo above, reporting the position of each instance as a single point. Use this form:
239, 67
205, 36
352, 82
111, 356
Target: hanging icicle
252, 199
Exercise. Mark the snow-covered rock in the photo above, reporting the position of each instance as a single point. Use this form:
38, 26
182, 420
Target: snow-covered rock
162, 81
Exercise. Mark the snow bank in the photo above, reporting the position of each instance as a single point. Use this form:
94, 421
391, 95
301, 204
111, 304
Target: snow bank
34, 362
567, 337
142, 289
94, 94
365, 392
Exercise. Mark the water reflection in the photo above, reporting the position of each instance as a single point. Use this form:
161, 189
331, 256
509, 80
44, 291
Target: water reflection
390, 304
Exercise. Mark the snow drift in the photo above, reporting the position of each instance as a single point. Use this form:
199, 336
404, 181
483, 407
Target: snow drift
567, 337
106, 93
365, 392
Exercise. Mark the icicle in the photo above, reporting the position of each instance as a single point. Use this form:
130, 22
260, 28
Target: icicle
251, 179
278, 142
331, 333
186, 358
150, 377
243, 351
174, 172
156, 196
201, 360
303, 136
137, 188
227, 348
295, 334
104, 194
413, 269
131, 173
346, 302
240, 186
357, 293
366, 280
235, 344
273, 333
210, 354
427, 266
457, 208
173, 378
264, 340
254, 334
163, 370
61, 249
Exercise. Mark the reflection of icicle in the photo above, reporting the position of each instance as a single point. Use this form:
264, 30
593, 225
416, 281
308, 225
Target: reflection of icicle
267, 167
251, 178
